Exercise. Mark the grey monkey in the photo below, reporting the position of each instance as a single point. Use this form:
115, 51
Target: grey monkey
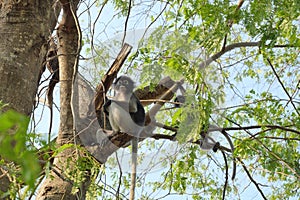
125, 111
126, 114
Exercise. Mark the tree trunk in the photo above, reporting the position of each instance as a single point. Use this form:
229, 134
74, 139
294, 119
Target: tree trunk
24, 28
60, 182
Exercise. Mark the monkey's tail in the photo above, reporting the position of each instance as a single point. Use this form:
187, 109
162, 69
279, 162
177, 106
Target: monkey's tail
134, 143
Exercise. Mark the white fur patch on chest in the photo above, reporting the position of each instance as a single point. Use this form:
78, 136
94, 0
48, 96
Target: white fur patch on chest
121, 120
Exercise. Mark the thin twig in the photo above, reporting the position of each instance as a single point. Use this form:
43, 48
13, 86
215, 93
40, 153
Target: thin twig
75, 70
120, 177
232, 152
226, 175
254, 127
271, 152
230, 22
280, 138
251, 178
126, 22
283, 87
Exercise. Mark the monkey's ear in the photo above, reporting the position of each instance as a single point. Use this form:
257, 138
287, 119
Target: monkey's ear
113, 86
117, 80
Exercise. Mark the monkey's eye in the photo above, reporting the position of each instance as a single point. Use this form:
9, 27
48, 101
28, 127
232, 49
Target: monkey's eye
125, 82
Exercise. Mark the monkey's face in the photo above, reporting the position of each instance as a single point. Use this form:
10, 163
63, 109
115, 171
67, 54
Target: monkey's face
124, 85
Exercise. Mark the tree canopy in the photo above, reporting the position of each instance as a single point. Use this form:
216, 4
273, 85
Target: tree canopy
237, 65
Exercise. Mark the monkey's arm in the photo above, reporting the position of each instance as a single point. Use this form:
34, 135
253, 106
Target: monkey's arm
138, 114
106, 106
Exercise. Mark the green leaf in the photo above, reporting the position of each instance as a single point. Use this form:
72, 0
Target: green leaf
13, 127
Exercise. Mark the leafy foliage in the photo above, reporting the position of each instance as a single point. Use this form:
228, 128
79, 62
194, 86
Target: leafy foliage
240, 63
14, 148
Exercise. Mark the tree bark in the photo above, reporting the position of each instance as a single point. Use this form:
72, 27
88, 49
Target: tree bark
24, 28
60, 183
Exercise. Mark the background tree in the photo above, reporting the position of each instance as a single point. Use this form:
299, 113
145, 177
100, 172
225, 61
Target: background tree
25, 27
239, 61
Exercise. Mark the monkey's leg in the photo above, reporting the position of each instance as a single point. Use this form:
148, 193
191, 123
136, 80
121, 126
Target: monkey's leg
134, 143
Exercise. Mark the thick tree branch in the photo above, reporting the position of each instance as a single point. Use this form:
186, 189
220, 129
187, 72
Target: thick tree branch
69, 44
231, 47
108, 78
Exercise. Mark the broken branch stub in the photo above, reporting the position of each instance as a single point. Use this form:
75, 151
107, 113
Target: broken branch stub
110, 75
